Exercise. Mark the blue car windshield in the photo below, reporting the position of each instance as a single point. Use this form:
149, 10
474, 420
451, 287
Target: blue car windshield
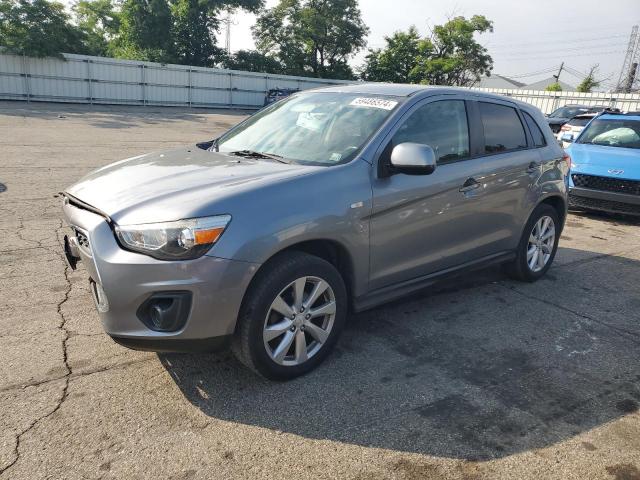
318, 128
622, 133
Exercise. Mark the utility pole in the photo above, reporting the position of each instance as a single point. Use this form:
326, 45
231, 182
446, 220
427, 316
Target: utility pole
631, 78
630, 64
557, 77
228, 21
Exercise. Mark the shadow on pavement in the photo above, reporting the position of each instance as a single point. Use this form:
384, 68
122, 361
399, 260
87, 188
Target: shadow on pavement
480, 367
115, 116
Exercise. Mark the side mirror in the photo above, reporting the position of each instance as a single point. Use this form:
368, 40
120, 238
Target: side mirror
413, 159
567, 137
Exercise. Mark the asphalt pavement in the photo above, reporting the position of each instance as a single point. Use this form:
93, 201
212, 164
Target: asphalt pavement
478, 378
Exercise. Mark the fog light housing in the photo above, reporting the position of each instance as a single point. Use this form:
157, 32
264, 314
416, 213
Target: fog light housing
165, 311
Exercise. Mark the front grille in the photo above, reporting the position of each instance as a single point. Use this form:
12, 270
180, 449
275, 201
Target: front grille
606, 184
83, 240
606, 205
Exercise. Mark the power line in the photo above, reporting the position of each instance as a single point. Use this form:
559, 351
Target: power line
564, 42
560, 55
533, 74
567, 49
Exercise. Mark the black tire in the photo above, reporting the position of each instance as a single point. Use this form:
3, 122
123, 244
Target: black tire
519, 269
248, 345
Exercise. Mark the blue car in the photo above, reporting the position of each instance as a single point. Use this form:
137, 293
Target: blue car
605, 164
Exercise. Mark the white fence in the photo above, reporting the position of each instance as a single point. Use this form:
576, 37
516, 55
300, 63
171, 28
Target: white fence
549, 101
85, 79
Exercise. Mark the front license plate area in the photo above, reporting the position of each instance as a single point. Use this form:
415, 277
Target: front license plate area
72, 260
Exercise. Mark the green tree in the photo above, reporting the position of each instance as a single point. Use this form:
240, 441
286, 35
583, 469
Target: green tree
554, 87
146, 31
450, 56
312, 37
38, 28
395, 62
252, 61
195, 25
589, 82
194, 33
99, 21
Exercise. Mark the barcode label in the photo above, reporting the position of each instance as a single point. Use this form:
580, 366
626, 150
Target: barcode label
382, 103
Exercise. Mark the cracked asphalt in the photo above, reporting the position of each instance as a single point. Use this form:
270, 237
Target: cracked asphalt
478, 378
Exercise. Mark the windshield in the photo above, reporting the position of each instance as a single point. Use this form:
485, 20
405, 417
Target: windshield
316, 128
612, 133
568, 112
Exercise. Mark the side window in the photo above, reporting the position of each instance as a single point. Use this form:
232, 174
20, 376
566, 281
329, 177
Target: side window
442, 125
536, 133
503, 130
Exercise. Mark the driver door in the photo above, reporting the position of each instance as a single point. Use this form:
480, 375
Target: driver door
423, 224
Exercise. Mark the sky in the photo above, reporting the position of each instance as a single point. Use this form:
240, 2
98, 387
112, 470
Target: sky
529, 36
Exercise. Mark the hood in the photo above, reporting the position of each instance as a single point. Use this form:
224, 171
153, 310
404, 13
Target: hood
175, 184
599, 159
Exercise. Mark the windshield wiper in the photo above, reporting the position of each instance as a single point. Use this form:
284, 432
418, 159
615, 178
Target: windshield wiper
254, 154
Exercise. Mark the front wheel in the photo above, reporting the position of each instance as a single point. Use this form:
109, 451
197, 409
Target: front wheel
538, 245
291, 317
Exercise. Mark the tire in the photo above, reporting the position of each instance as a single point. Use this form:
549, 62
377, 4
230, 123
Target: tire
520, 268
279, 280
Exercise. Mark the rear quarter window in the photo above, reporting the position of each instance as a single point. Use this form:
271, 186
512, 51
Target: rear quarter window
534, 128
503, 130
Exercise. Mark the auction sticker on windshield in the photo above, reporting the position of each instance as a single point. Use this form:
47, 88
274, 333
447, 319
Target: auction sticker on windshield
382, 103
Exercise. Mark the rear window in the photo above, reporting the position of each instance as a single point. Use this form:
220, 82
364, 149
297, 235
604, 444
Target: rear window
579, 122
536, 133
503, 129
568, 112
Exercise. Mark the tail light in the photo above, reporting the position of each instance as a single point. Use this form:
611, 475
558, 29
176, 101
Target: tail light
567, 160
565, 128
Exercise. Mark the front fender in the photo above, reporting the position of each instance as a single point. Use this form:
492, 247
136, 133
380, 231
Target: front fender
330, 204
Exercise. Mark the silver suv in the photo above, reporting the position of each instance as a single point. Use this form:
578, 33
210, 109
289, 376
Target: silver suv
330, 200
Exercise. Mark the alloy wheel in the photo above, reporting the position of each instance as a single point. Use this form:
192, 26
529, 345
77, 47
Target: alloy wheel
299, 321
541, 242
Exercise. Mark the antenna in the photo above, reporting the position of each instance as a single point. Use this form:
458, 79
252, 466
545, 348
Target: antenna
628, 81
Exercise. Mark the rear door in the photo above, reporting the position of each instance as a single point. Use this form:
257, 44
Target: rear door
463, 211
510, 165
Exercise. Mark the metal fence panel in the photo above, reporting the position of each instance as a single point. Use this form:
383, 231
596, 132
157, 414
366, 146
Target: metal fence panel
86, 79
116, 93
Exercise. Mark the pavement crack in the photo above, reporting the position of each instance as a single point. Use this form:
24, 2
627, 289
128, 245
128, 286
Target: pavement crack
76, 375
65, 359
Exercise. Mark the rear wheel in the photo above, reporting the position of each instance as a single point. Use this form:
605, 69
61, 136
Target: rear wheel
291, 317
538, 245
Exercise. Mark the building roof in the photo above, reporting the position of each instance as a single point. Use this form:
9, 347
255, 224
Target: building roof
542, 84
498, 81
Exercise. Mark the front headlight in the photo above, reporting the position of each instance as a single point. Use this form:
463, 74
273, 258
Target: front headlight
179, 240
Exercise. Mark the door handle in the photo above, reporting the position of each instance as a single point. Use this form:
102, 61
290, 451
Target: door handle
470, 184
533, 167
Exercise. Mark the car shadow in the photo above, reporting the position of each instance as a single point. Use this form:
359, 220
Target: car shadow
477, 368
